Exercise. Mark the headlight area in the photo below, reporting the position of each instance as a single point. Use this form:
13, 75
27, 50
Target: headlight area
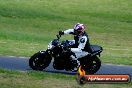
50, 45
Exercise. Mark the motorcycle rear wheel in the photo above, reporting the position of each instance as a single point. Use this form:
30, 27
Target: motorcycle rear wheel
92, 65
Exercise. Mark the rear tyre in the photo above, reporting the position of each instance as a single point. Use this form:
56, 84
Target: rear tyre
92, 65
40, 61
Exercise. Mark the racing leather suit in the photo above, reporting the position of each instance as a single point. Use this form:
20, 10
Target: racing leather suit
81, 42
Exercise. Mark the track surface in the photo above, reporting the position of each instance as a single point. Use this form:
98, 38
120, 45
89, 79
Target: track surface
21, 64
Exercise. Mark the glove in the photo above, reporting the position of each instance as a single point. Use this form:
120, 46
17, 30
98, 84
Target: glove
61, 33
66, 49
70, 52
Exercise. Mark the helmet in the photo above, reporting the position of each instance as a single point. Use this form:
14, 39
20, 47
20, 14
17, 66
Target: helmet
79, 29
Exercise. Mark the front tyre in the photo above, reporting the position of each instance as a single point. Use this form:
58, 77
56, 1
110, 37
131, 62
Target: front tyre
40, 61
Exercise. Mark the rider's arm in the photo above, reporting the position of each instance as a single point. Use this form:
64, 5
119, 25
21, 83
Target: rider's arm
69, 31
81, 45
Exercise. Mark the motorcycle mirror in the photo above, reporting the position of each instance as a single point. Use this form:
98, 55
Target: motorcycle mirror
58, 36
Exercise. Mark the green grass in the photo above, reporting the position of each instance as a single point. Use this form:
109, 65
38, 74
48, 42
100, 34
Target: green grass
26, 26
31, 79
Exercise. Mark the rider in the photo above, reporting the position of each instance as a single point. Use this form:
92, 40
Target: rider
81, 40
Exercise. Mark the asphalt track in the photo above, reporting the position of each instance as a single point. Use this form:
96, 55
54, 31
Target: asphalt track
21, 64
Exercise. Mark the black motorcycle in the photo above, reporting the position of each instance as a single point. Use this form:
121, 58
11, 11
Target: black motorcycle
63, 57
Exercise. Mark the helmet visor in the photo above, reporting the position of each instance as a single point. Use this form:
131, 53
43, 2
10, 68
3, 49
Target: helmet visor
77, 32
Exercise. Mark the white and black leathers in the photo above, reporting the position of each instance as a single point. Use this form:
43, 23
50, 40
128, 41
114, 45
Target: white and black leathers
81, 43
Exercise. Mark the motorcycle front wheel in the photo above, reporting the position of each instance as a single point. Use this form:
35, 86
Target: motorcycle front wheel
40, 61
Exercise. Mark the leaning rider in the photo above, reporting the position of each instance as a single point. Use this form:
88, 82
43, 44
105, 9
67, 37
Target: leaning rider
81, 40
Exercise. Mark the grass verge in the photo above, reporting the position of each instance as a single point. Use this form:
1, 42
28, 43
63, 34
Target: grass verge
32, 79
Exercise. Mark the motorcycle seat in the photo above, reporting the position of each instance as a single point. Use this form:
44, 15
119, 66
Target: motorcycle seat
95, 48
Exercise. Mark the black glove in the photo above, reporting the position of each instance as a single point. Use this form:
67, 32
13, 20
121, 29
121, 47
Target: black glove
70, 52
61, 33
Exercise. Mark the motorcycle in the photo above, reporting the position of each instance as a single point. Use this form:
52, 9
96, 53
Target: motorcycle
64, 59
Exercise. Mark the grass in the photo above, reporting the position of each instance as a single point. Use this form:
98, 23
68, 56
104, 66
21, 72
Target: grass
27, 26
31, 79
